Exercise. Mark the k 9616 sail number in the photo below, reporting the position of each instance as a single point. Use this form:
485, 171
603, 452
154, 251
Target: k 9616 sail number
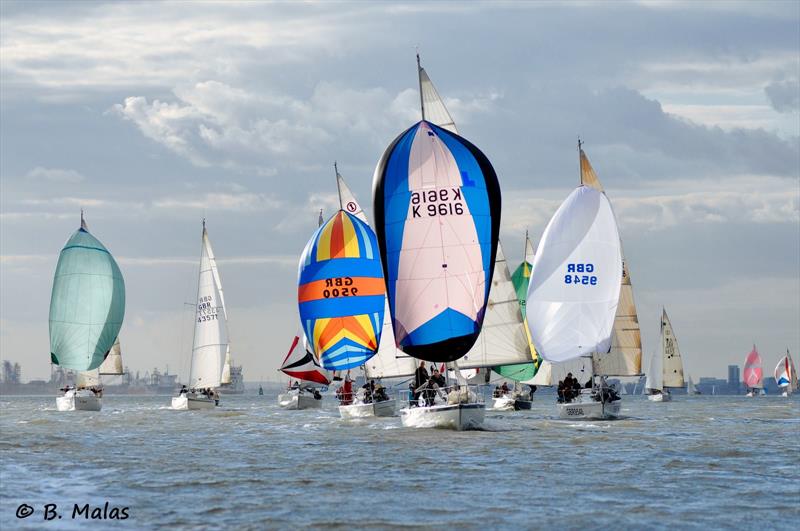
444, 202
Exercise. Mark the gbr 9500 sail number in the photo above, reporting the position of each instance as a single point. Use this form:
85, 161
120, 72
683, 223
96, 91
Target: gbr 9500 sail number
572, 276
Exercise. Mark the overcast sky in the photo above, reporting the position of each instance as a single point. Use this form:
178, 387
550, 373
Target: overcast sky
151, 116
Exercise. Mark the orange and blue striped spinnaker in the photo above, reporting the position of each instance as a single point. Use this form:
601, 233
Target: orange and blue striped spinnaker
341, 292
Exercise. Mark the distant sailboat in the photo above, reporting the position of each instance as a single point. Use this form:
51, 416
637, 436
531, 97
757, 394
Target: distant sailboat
666, 366
87, 307
389, 361
210, 341
753, 373
437, 216
785, 375
691, 389
574, 292
301, 364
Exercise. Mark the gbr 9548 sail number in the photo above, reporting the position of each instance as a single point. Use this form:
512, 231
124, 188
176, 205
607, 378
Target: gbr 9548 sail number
573, 278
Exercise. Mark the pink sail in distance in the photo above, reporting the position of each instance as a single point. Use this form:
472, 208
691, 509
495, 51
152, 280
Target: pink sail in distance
752, 369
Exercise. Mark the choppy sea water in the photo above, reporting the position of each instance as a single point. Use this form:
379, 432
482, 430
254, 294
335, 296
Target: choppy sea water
697, 462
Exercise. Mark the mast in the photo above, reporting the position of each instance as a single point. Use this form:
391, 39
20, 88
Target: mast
196, 304
419, 80
580, 172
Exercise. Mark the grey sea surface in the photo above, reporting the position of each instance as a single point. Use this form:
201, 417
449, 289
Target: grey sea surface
703, 462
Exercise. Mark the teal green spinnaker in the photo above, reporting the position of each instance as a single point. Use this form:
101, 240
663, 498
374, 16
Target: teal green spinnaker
87, 304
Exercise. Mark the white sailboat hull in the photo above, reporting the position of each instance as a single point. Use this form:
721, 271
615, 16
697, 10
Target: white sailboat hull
79, 401
503, 403
385, 408
585, 408
457, 417
660, 397
192, 403
785, 393
298, 401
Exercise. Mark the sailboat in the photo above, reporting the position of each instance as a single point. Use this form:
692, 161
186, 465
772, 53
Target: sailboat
573, 296
437, 215
210, 341
87, 306
112, 365
753, 373
389, 361
300, 364
666, 366
785, 375
691, 389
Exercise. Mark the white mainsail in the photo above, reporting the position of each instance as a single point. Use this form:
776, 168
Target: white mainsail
389, 361
672, 363
88, 378
573, 294
433, 108
502, 340
690, 387
210, 329
112, 365
625, 358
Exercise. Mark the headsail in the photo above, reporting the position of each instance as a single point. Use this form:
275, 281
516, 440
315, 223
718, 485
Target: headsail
300, 363
225, 378
433, 108
690, 387
112, 365
437, 212
87, 304
88, 378
503, 340
655, 372
752, 370
341, 292
625, 358
347, 201
210, 329
673, 364
574, 291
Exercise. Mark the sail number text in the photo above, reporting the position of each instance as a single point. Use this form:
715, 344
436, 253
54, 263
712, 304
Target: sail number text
206, 310
339, 287
445, 202
572, 276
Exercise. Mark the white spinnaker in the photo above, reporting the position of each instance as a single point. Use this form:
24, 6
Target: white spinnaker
672, 362
568, 319
112, 365
433, 108
502, 340
210, 332
655, 372
88, 378
625, 358
389, 361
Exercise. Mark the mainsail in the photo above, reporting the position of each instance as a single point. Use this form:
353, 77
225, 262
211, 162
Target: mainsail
573, 295
625, 358
503, 340
87, 304
341, 292
300, 363
225, 378
437, 215
389, 361
112, 365
752, 370
88, 378
433, 108
210, 329
785, 375
672, 363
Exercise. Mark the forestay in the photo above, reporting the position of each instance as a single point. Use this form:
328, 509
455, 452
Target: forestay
210, 329
87, 304
341, 292
437, 212
574, 291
